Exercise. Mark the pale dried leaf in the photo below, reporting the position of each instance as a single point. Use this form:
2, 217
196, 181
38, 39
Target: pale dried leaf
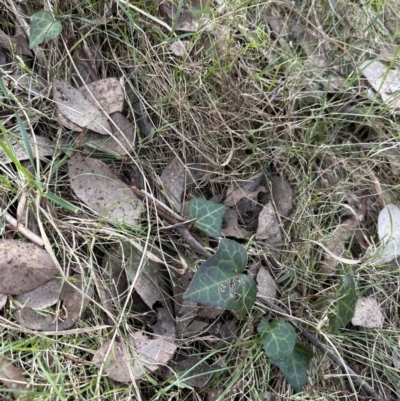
393, 154
101, 190
42, 297
195, 328
76, 108
367, 313
73, 305
85, 65
3, 300
238, 194
187, 21
384, 81
268, 226
336, 245
250, 185
389, 235
20, 42
12, 378
266, 286
69, 124
181, 47
231, 226
107, 92
174, 180
44, 148
23, 267
32, 85
193, 372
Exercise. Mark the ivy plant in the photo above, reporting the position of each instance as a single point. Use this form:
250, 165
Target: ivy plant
43, 25
278, 339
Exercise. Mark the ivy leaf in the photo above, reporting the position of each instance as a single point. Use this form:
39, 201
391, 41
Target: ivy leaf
208, 215
295, 366
218, 282
278, 338
43, 25
346, 304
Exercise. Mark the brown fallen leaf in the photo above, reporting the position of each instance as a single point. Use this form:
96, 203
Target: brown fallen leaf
73, 304
165, 325
192, 371
15, 380
268, 226
101, 190
266, 285
18, 41
23, 267
107, 92
76, 108
123, 367
33, 85
85, 65
3, 300
282, 195
231, 226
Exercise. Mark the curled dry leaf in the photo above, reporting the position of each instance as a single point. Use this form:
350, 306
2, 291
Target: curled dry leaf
386, 82
123, 367
23, 267
283, 195
107, 92
42, 297
73, 304
75, 107
42, 144
389, 235
12, 378
367, 313
100, 189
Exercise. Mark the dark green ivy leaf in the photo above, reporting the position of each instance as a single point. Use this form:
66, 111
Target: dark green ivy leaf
208, 215
346, 304
278, 338
295, 366
219, 281
43, 25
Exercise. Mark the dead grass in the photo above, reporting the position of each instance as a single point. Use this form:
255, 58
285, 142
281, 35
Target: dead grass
267, 102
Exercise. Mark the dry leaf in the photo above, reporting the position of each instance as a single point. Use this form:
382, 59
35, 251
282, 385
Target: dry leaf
29, 84
15, 380
187, 21
85, 65
23, 267
192, 372
231, 226
174, 180
76, 108
42, 144
389, 235
3, 300
165, 325
73, 304
283, 195
268, 226
181, 47
107, 92
194, 328
266, 285
70, 125
42, 297
367, 313
386, 82
122, 367
100, 189
18, 41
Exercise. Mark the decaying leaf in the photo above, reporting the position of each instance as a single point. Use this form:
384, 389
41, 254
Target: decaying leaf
75, 107
107, 92
230, 225
283, 195
23, 267
20, 42
29, 84
386, 82
100, 189
42, 297
268, 226
73, 302
85, 65
368, 313
187, 21
165, 325
3, 300
193, 372
174, 180
266, 285
123, 367
42, 144
389, 235
181, 47
12, 378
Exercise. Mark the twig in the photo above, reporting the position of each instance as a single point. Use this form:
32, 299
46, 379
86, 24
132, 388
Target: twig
23, 230
314, 340
175, 219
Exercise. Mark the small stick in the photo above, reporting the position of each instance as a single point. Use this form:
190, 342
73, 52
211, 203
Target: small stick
314, 340
176, 220
23, 230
